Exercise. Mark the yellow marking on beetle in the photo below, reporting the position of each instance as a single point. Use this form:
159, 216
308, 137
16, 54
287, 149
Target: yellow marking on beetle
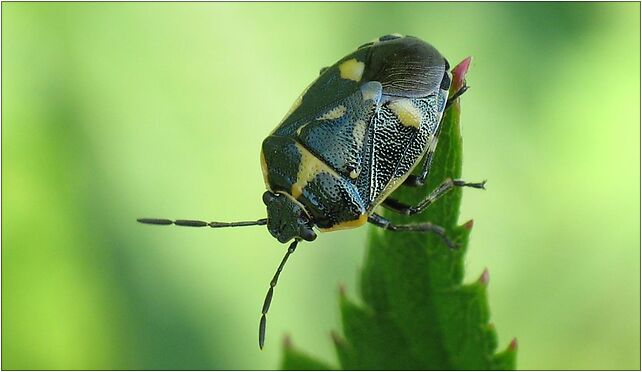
359, 132
334, 114
358, 135
296, 190
433, 143
347, 224
351, 69
407, 112
309, 167
264, 169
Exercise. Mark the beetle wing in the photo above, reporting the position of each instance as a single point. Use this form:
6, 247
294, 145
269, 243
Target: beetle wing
338, 134
406, 67
327, 90
394, 148
347, 118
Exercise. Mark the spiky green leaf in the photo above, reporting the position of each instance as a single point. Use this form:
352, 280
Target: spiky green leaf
416, 312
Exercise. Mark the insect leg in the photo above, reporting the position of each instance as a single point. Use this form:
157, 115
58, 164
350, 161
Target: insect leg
417, 181
384, 223
458, 93
270, 293
441, 190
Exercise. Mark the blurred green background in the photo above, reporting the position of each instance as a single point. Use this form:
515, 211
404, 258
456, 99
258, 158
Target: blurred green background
118, 111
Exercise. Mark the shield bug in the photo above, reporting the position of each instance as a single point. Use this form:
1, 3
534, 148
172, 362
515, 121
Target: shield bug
352, 138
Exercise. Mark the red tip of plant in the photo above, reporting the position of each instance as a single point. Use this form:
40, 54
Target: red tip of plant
513, 345
287, 341
337, 339
469, 225
459, 74
485, 277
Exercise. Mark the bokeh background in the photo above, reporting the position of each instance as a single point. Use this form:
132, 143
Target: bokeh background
117, 111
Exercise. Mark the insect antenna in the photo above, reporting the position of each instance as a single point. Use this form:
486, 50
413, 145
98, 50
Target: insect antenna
197, 223
270, 293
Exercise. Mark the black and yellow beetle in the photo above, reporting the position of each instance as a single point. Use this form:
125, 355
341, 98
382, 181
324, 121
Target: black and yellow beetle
351, 138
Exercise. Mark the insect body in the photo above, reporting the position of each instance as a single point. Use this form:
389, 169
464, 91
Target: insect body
353, 137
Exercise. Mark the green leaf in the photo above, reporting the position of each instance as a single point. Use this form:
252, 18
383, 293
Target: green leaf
295, 360
416, 312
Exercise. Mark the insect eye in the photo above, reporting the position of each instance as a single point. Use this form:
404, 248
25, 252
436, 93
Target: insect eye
268, 197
